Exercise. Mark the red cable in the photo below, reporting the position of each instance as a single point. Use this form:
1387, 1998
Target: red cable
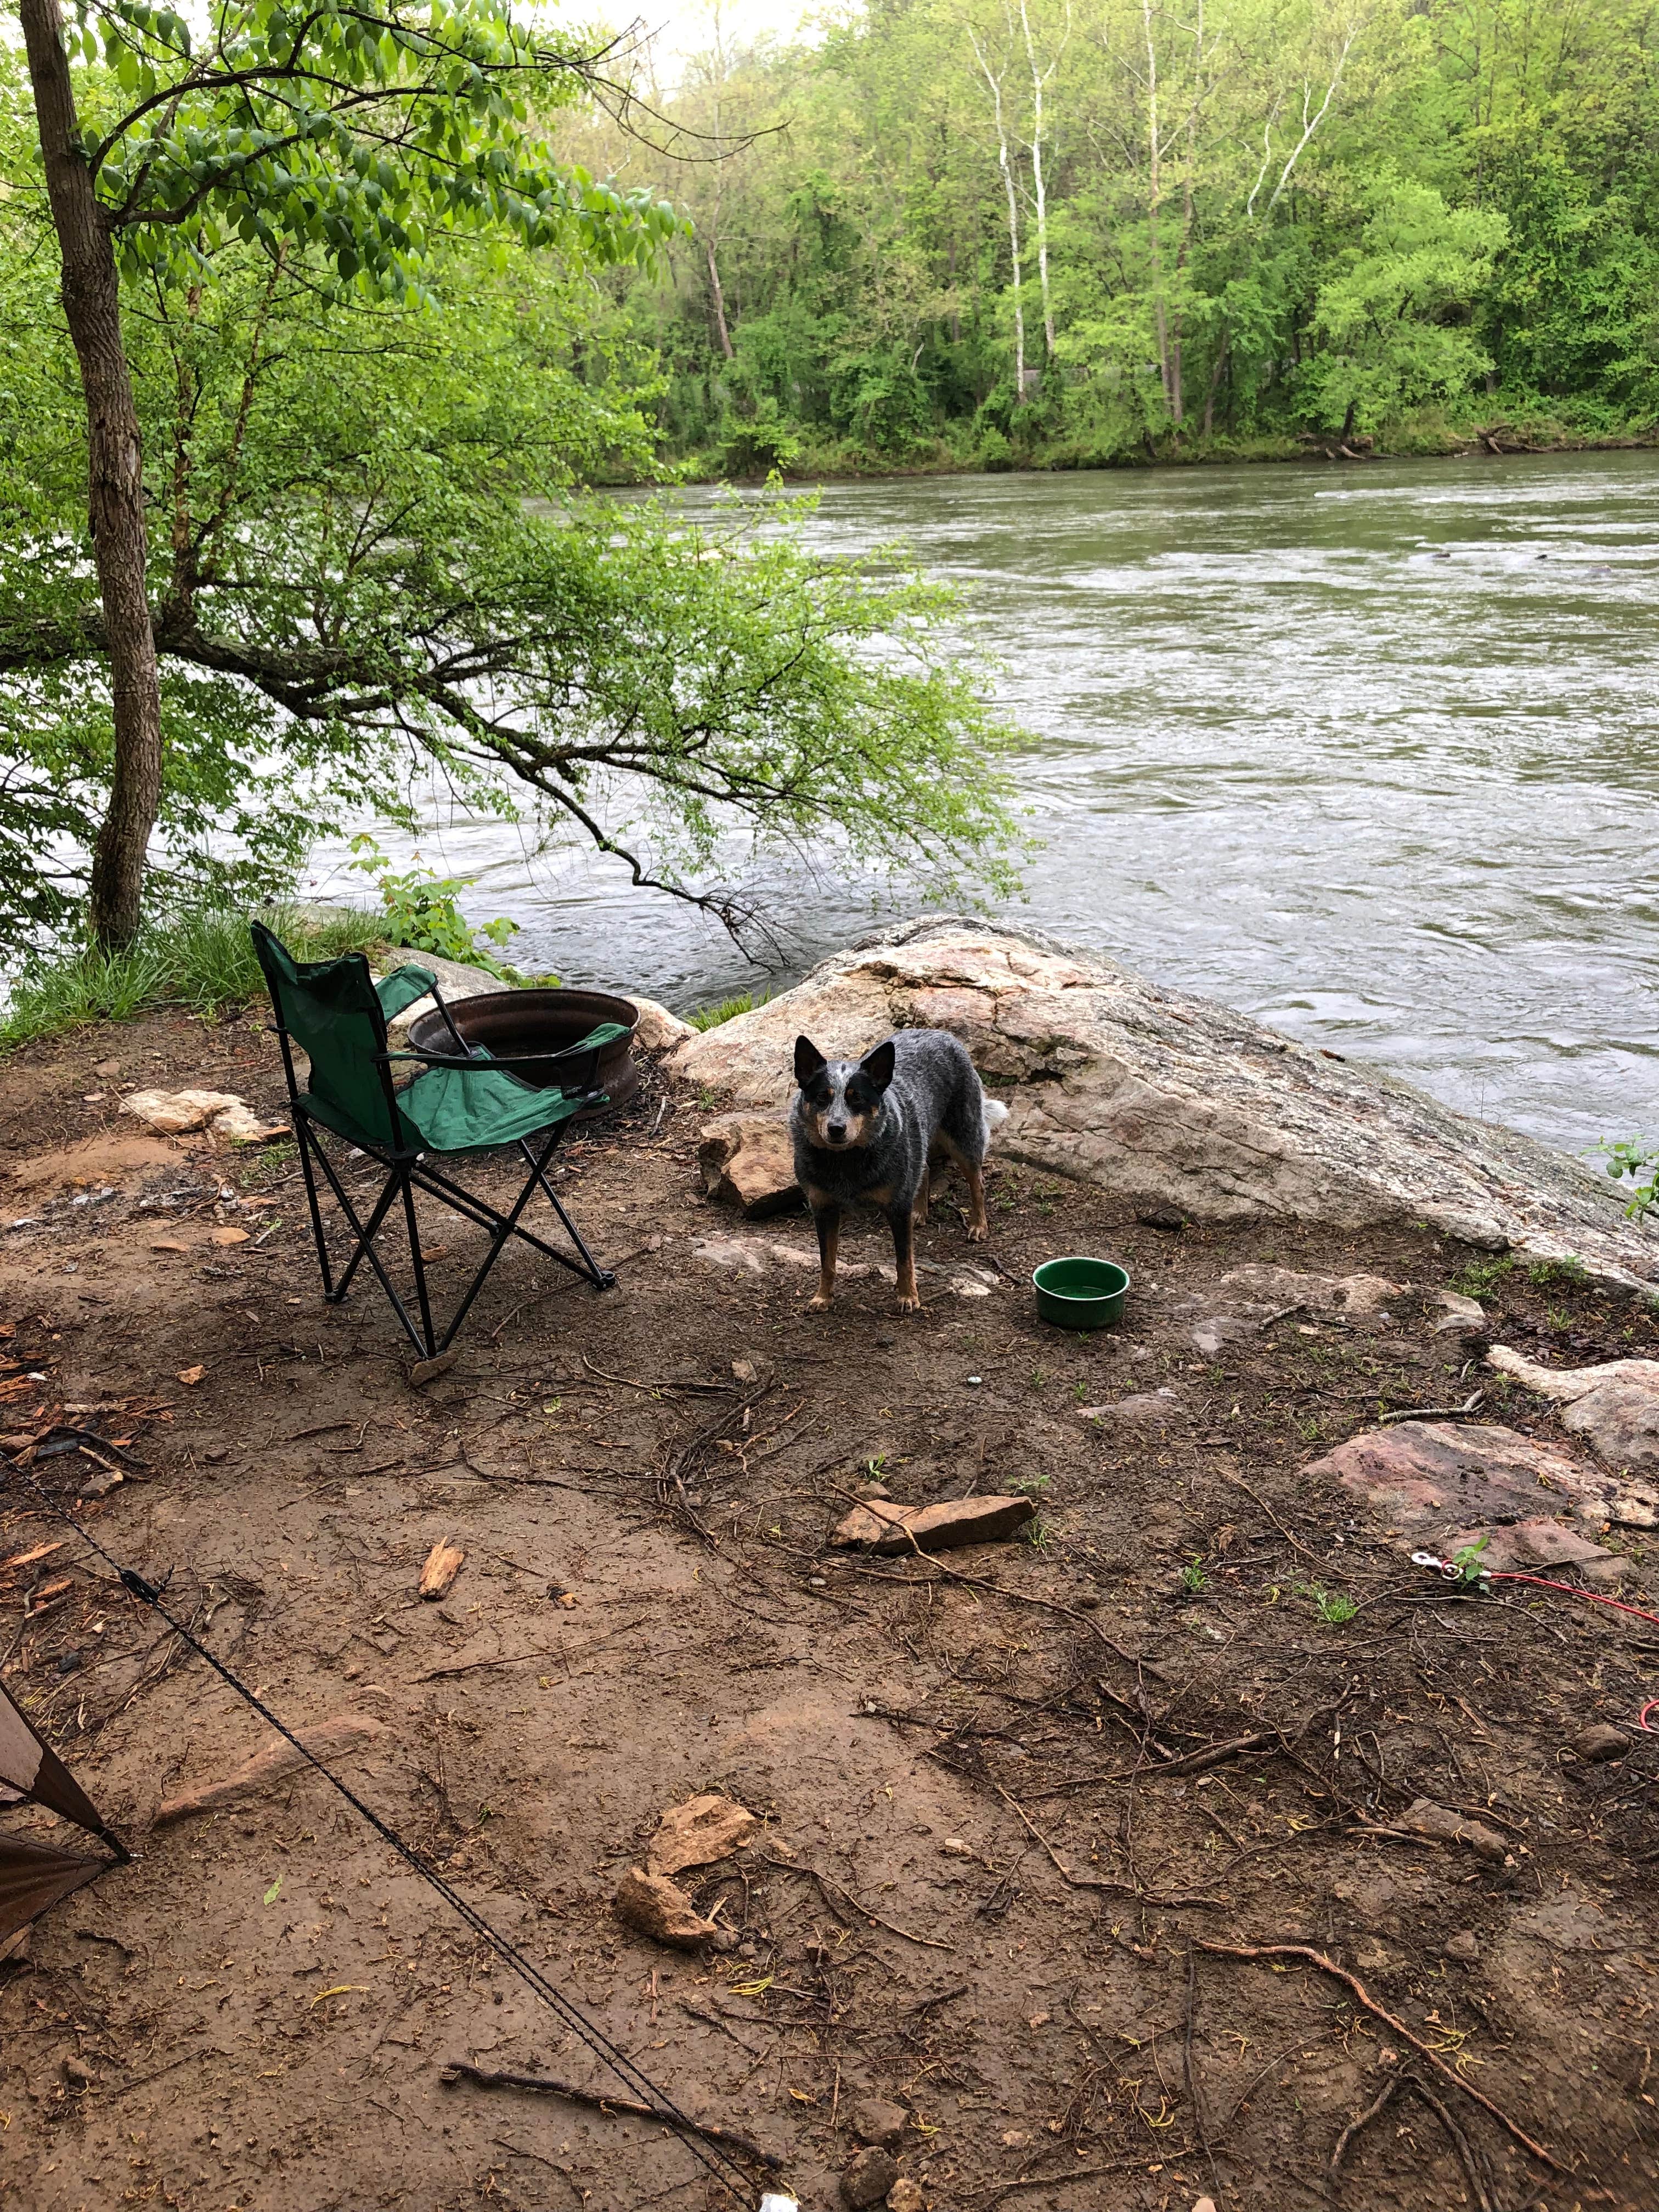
1572, 1590
1642, 1722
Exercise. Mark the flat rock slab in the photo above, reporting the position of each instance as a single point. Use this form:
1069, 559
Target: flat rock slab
1458, 1483
1541, 1547
1169, 1100
698, 1832
1614, 1406
748, 1161
882, 1527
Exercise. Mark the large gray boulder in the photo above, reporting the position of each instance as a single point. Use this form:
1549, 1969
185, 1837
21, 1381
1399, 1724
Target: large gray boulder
1163, 1098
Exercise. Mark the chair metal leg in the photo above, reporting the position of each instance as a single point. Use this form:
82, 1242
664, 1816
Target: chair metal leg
302, 1133
601, 1278
365, 1235
509, 1222
418, 1262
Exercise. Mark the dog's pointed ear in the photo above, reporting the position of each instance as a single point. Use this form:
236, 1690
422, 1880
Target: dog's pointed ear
877, 1067
808, 1061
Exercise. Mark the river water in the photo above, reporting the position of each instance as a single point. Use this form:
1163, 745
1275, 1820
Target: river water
1369, 752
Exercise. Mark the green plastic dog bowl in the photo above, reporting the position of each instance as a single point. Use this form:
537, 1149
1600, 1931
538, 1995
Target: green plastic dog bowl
1079, 1293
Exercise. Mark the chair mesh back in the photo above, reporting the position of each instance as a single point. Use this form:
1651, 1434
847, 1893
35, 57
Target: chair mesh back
333, 1012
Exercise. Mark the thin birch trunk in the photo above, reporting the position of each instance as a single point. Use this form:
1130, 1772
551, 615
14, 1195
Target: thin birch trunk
1007, 168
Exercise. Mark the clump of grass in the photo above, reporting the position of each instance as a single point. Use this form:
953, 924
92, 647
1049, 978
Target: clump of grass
1543, 1273
728, 1010
1335, 1607
202, 960
1479, 1275
1194, 1580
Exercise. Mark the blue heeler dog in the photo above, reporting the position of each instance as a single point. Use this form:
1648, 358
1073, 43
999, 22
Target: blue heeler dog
871, 1130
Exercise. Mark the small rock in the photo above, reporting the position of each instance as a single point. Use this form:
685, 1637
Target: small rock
227, 1237
1463, 1945
749, 1163
1204, 2204
1458, 1313
1425, 1817
1633, 1513
190, 1376
661, 1909
744, 1370
876, 2121
885, 1528
77, 2071
868, 2179
905, 2195
1601, 1741
954, 1848
171, 1113
657, 1030
1162, 1217
885, 1343
698, 1832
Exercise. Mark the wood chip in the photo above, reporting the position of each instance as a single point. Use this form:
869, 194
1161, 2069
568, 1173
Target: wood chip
443, 1564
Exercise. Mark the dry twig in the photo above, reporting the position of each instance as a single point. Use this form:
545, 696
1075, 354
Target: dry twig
1396, 2026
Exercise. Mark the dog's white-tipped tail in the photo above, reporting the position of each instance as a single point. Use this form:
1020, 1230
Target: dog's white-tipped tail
995, 1115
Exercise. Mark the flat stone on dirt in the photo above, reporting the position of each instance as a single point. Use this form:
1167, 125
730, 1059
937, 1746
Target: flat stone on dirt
868, 2179
876, 2121
1464, 1945
698, 1832
1426, 1474
172, 1113
1541, 1545
881, 1527
748, 1161
661, 1909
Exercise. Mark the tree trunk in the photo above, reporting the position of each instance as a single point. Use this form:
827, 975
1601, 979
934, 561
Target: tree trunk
1039, 183
1007, 166
1154, 200
115, 489
717, 298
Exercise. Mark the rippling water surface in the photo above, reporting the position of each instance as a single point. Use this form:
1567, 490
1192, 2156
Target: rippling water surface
1369, 753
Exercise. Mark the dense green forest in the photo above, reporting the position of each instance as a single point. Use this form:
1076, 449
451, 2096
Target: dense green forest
980, 232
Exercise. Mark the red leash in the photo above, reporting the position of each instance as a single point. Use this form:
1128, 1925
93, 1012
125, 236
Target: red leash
1455, 1574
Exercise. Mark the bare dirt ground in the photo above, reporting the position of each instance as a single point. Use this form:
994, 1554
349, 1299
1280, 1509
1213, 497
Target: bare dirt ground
996, 1863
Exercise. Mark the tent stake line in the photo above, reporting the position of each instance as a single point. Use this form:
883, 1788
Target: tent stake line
704, 2143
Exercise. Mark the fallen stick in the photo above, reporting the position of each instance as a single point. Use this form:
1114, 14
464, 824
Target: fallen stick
1397, 2026
1433, 1413
1379, 2104
458, 2069
1215, 1755
928, 1942
345, 1732
1093, 1880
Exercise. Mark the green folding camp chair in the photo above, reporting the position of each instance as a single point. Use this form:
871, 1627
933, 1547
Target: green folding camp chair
336, 1013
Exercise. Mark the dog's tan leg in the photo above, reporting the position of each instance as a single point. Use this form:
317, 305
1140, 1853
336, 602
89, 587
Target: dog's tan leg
905, 1255
827, 1221
978, 1228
